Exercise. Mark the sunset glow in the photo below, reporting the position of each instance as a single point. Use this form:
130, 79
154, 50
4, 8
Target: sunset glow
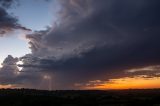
130, 83
5, 86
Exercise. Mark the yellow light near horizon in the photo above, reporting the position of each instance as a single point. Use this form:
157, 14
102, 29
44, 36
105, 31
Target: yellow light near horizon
5, 86
130, 83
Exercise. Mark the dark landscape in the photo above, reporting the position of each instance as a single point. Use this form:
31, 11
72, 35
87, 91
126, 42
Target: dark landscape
30, 97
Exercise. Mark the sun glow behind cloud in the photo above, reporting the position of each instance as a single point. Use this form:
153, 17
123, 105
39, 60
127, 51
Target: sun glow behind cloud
19, 63
14, 45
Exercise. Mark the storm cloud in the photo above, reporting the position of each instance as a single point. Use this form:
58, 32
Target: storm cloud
8, 22
9, 70
11, 75
94, 39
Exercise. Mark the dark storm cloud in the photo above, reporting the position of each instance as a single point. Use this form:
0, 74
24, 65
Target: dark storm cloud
9, 70
8, 23
93, 38
11, 75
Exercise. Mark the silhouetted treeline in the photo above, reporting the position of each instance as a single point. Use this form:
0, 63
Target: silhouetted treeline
31, 97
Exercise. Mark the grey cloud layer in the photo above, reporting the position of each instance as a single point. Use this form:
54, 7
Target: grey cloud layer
11, 75
96, 39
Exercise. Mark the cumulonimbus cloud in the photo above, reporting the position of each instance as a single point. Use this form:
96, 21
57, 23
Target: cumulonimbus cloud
94, 39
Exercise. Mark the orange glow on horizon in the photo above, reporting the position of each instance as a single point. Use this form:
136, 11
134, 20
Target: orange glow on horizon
129, 83
5, 86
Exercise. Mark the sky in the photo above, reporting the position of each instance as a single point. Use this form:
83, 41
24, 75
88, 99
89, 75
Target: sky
79, 44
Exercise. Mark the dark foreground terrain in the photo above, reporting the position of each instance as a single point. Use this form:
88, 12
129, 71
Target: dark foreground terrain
26, 97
